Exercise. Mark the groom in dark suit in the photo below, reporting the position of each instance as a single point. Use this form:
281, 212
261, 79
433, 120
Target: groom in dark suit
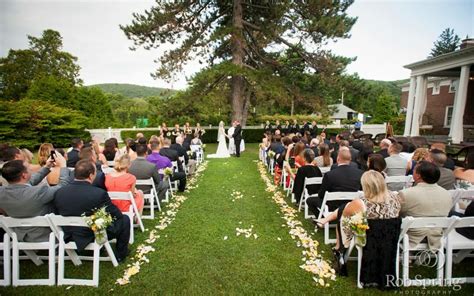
237, 137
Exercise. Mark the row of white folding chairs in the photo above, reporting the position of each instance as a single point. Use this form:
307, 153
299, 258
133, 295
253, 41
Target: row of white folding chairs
132, 213
451, 240
11, 245
461, 196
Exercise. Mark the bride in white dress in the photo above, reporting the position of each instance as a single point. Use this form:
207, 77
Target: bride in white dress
222, 151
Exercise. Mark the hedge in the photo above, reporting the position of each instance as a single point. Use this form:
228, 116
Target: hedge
249, 135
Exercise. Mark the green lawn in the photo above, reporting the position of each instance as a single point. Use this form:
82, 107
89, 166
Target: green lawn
193, 258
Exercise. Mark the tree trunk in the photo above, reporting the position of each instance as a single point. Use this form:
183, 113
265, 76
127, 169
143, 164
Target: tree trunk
238, 82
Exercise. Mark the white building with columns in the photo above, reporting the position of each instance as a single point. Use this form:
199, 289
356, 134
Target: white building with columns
457, 67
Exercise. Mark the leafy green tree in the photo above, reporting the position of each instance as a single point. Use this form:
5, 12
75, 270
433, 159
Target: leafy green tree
43, 58
447, 42
28, 123
245, 38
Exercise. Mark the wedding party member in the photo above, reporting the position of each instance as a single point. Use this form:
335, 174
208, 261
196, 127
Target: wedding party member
237, 136
308, 170
122, 181
305, 128
44, 153
287, 128
19, 199
314, 129
188, 132
176, 132
164, 131
382, 208
143, 169
295, 128
466, 173
268, 127
278, 128
426, 199
81, 198
199, 130
343, 178
73, 155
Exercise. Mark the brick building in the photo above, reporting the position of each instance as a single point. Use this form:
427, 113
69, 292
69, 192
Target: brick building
440, 94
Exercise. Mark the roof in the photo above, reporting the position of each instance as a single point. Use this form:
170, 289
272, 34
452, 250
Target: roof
447, 56
341, 111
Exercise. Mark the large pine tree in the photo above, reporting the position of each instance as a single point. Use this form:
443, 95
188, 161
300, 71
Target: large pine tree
447, 42
250, 40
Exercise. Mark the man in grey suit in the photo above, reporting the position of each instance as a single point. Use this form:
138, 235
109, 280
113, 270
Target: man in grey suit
396, 165
446, 179
22, 200
143, 169
426, 199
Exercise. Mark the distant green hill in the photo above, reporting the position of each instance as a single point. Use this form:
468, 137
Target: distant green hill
133, 90
394, 87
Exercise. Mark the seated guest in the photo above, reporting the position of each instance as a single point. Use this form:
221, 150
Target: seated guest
163, 162
466, 173
79, 198
143, 169
122, 181
419, 155
324, 159
449, 164
313, 145
110, 149
426, 199
182, 152
88, 153
343, 178
382, 208
396, 165
376, 162
129, 149
73, 155
384, 144
280, 158
309, 170
467, 231
100, 156
44, 153
407, 150
196, 141
298, 153
28, 156
171, 154
446, 179
20, 199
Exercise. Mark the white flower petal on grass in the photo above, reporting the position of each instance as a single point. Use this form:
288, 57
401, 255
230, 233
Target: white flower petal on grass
226, 237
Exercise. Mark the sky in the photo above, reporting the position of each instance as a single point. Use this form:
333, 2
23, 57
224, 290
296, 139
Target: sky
388, 35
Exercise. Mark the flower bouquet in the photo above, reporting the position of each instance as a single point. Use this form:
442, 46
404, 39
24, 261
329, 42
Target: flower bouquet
359, 225
168, 172
203, 147
98, 223
271, 154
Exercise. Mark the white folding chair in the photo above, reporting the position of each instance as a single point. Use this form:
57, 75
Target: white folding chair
401, 181
359, 259
462, 196
172, 185
133, 210
456, 241
444, 223
271, 166
108, 170
5, 247
10, 225
324, 170
57, 222
334, 196
283, 176
150, 197
306, 195
183, 163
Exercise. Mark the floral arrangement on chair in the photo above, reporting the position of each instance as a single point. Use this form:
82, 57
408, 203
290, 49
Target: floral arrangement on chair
271, 154
98, 223
168, 172
359, 225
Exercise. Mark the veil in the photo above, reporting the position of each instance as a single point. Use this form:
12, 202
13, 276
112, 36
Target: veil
221, 131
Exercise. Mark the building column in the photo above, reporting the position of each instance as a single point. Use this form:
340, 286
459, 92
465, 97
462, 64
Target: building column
456, 131
410, 103
418, 109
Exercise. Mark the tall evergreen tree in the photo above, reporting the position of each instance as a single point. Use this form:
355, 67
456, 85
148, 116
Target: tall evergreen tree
447, 42
247, 38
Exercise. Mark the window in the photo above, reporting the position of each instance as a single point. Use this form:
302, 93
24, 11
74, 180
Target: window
448, 116
436, 88
453, 86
